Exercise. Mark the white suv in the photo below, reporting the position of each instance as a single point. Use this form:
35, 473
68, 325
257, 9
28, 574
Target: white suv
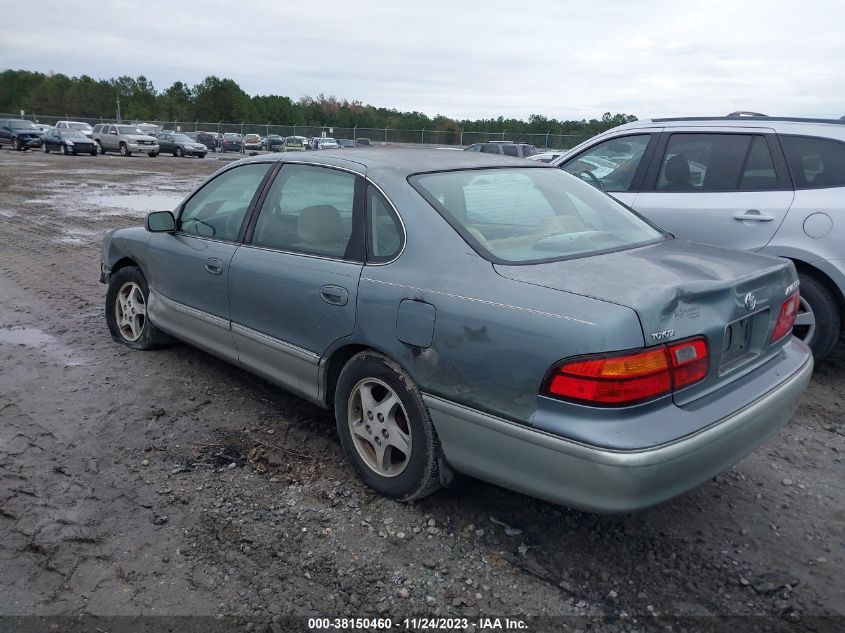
765, 184
80, 126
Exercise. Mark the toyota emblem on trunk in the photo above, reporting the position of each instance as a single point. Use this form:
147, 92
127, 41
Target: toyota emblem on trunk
750, 301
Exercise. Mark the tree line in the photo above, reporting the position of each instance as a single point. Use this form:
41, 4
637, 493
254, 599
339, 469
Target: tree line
215, 99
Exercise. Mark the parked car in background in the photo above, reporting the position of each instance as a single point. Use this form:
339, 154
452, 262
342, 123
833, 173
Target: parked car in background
508, 148
209, 139
766, 184
68, 141
362, 142
547, 157
43, 127
345, 142
273, 143
583, 355
252, 141
232, 142
148, 128
180, 144
326, 143
80, 126
295, 143
19, 134
126, 139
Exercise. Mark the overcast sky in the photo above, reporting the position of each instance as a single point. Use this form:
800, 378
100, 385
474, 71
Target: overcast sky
461, 59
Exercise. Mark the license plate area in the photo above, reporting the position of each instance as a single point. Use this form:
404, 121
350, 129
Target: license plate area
742, 340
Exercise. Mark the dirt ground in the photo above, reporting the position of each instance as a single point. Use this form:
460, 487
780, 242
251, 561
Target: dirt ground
171, 483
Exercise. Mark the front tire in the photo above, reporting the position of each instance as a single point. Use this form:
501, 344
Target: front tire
44, 148
385, 428
63, 150
818, 323
126, 311
178, 153
16, 145
124, 151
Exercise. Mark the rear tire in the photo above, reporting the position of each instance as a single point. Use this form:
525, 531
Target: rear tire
819, 322
127, 299
367, 423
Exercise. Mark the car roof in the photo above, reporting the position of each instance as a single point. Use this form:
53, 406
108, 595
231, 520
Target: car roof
403, 160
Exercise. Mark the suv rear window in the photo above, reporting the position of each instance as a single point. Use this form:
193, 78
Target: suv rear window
815, 162
531, 215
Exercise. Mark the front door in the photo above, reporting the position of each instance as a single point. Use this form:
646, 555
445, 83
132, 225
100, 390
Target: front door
293, 284
188, 270
719, 188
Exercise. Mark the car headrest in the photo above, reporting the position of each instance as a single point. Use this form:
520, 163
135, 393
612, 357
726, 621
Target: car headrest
320, 224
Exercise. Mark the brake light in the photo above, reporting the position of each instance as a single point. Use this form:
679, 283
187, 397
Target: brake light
630, 378
786, 317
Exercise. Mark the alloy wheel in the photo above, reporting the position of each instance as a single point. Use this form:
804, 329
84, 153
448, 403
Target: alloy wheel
130, 310
379, 427
805, 322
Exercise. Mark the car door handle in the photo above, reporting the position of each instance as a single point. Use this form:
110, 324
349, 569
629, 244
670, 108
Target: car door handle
754, 215
334, 295
214, 266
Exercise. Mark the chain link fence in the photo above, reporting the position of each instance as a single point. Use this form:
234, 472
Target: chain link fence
381, 136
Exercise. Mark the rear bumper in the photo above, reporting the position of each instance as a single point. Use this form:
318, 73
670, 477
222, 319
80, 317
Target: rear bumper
576, 474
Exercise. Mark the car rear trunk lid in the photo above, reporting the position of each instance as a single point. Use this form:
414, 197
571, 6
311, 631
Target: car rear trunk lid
681, 289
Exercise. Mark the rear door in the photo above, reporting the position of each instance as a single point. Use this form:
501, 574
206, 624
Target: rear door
728, 187
293, 285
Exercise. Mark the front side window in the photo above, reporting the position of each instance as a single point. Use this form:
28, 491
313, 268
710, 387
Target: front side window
384, 233
528, 215
217, 210
490, 148
815, 162
610, 165
716, 162
474, 148
310, 210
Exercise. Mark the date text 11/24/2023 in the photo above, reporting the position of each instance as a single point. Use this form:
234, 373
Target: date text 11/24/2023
417, 624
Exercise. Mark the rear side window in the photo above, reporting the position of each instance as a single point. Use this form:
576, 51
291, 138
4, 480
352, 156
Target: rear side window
716, 162
384, 237
510, 150
815, 162
310, 210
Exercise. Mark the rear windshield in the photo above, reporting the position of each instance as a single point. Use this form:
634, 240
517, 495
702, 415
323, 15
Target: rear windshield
530, 215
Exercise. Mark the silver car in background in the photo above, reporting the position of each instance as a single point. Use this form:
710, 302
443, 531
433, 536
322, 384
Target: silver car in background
772, 185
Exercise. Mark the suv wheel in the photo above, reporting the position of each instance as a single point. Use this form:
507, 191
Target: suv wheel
124, 151
100, 148
818, 323
385, 428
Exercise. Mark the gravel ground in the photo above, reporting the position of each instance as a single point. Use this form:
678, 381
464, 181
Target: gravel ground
171, 483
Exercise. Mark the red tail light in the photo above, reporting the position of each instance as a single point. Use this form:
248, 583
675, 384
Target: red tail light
786, 317
630, 378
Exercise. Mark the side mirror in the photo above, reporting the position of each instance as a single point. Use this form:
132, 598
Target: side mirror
160, 222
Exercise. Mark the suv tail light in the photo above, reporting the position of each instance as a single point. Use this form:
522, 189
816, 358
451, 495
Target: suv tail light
786, 317
630, 378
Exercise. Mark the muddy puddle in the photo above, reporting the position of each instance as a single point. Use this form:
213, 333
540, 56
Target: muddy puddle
47, 344
141, 203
